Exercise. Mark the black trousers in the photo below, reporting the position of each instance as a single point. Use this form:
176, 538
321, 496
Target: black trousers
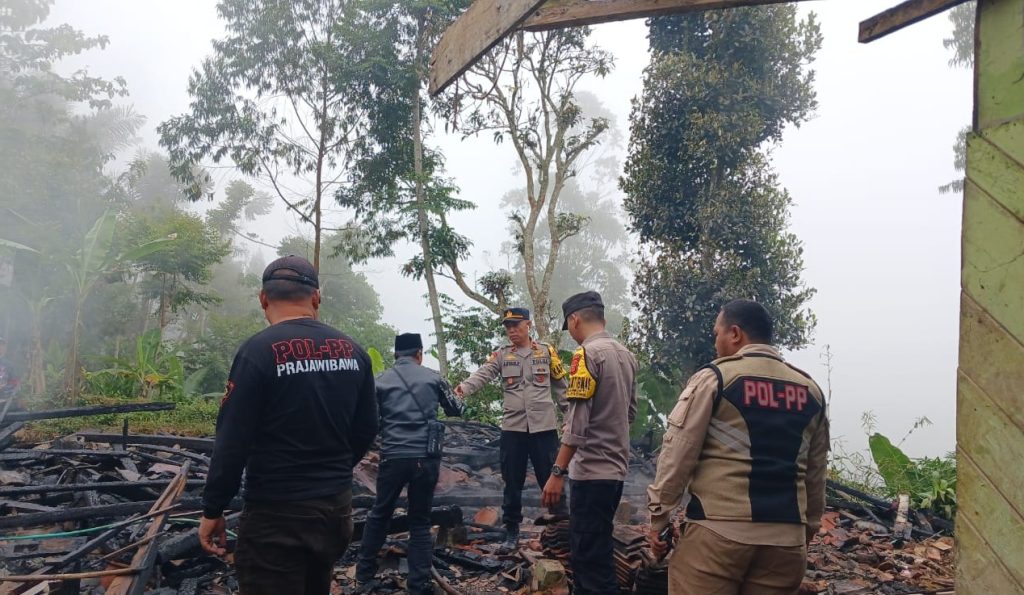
291, 547
517, 450
591, 519
394, 475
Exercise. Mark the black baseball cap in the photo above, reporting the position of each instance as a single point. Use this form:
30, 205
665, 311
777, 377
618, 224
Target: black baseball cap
575, 303
299, 270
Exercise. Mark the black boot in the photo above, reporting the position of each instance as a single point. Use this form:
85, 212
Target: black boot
511, 542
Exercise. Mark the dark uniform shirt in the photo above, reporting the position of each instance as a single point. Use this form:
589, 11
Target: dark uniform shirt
299, 412
407, 397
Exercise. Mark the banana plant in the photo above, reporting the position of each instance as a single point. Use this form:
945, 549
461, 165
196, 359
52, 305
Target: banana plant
98, 257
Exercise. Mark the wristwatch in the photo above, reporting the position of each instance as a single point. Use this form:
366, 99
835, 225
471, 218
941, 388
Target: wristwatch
557, 471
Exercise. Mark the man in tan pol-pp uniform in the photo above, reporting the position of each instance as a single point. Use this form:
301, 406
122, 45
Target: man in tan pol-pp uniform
531, 375
749, 437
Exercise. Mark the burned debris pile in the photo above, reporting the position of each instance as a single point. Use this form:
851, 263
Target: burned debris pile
117, 513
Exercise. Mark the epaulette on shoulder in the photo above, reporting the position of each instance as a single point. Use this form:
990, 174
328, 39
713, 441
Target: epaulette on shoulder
729, 358
798, 371
807, 376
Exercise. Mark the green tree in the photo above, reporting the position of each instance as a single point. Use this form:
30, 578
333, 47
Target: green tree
348, 301
399, 191
525, 91
241, 203
961, 39
701, 193
596, 258
58, 132
961, 42
176, 276
268, 101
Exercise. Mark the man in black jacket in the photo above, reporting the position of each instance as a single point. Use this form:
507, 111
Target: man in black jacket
408, 396
298, 414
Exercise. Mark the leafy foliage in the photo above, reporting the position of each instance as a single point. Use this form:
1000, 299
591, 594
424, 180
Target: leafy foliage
930, 482
701, 193
961, 42
176, 276
961, 39
268, 101
348, 301
525, 92
151, 371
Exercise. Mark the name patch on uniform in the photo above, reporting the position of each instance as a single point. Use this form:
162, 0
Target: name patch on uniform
582, 384
768, 394
299, 356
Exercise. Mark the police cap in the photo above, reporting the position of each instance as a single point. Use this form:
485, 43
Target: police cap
575, 303
515, 315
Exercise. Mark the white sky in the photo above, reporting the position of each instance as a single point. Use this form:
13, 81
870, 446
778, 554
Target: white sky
881, 244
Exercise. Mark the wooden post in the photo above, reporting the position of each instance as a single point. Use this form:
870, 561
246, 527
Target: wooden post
990, 401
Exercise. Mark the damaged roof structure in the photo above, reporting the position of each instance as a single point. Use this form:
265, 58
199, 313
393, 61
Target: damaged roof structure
110, 513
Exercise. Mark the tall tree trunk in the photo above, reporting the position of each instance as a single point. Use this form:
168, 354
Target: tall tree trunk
72, 374
36, 362
164, 299
421, 211
317, 212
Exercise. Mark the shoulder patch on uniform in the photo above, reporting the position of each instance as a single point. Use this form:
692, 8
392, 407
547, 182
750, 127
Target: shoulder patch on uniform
582, 384
557, 367
494, 356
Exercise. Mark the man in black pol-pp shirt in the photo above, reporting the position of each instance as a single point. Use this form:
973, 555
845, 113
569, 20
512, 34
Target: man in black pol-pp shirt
298, 414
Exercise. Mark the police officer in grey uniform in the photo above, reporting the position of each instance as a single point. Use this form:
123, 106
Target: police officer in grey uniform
531, 373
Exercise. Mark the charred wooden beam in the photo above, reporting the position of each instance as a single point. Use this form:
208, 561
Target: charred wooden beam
14, 454
85, 411
106, 511
71, 558
145, 558
186, 544
7, 434
446, 516
181, 452
197, 444
99, 486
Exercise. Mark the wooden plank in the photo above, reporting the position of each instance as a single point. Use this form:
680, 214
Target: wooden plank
1001, 526
196, 444
556, 14
976, 570
902, 15
992, 359
995, 170
999, 62
87, 411
145, 558
993, 260
991, 439
7, 434
1009, 138
480, 28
